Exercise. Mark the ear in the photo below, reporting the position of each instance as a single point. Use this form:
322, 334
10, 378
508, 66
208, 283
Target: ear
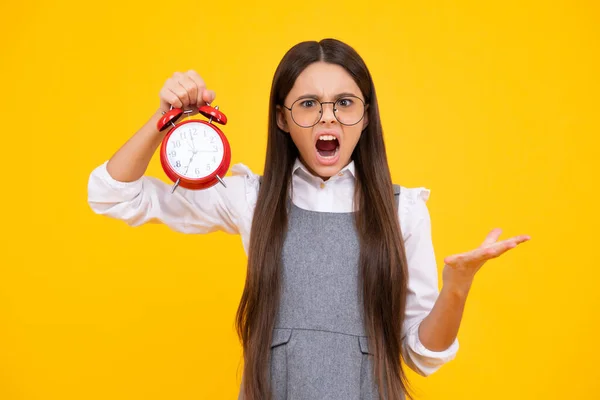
366, 118
281, 120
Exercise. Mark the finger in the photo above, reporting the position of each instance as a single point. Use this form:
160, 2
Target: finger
209, 96
492, 237
184, 90
522, 238
179, 89
192, 90
514, 241
491, 252
172, 98
197, 79
502, 247
474, 256
485, 253
196, 87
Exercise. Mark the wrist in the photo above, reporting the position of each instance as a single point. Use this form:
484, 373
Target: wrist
457, 281
458, 290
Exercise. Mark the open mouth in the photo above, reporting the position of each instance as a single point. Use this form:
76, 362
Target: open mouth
328, 149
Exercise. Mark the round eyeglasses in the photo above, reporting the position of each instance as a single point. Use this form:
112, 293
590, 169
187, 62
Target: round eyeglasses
307, 112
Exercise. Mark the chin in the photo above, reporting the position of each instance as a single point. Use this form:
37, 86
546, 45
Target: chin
326, 168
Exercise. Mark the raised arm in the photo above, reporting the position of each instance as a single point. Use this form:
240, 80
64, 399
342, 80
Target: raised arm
119, 188
182, 90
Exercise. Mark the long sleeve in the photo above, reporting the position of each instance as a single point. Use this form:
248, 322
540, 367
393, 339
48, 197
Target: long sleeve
149, 200
423, 283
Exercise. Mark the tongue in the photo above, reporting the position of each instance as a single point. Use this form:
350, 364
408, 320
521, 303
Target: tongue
326, 145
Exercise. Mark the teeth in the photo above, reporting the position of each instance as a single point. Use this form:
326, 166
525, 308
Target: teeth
327, 137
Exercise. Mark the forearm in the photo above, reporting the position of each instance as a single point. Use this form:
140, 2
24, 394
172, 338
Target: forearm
439, 329
130, 162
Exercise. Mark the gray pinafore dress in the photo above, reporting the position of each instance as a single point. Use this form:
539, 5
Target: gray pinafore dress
319, 348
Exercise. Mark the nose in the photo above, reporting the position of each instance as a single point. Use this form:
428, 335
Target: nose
328, 114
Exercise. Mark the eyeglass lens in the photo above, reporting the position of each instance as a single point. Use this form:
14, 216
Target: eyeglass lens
348, 111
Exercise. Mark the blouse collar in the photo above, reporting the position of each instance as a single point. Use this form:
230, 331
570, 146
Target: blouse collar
348, 170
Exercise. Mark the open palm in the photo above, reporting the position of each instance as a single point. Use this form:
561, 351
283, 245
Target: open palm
460, 269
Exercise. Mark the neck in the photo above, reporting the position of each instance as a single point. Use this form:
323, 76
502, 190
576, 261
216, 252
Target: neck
314, 173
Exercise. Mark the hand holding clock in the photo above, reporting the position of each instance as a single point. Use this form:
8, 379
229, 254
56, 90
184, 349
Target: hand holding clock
184, 90
204, 170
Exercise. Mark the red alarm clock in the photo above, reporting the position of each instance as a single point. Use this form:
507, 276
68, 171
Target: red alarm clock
195, 154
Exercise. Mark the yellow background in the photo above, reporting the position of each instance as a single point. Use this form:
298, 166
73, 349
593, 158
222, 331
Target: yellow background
494, 107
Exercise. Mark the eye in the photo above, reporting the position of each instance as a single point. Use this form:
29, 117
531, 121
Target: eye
308, 103
345, 102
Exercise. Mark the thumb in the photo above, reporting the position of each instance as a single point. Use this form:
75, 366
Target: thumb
491, 237
208, 96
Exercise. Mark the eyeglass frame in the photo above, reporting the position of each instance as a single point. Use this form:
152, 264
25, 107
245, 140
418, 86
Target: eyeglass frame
365, 104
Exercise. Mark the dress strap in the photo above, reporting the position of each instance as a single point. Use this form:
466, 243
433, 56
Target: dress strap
396, 193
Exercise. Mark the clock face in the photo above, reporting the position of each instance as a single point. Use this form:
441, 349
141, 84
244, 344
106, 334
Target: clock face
194, 150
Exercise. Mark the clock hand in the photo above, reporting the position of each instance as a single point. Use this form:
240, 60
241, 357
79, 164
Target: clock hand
190, 163
191, 145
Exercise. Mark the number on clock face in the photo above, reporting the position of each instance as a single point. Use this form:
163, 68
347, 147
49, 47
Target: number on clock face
194, 150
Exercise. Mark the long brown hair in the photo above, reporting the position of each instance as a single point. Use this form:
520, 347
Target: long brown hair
383, 265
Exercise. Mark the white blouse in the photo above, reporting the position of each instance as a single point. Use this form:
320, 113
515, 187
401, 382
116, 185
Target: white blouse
149, 200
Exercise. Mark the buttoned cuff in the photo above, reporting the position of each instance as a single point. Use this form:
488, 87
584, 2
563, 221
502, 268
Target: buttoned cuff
424, 361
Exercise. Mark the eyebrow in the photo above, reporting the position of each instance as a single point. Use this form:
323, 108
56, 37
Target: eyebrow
337, 96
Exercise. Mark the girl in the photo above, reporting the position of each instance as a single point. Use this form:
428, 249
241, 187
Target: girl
341, 279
